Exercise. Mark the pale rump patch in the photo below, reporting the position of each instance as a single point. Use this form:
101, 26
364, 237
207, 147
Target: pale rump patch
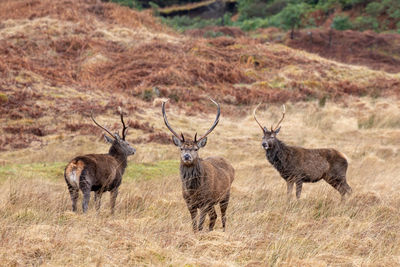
343, 156
73, 172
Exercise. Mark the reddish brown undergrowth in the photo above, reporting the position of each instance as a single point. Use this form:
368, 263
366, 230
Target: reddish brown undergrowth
76, 56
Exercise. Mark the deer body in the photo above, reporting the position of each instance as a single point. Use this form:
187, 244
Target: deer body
298, 165
98, 172
205, 182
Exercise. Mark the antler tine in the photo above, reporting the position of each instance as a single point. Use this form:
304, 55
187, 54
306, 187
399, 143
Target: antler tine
166, 121
105, 129
124, 127
215, 122
254, 115
283, 116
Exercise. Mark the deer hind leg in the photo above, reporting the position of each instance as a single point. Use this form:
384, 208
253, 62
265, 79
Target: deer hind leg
299, 187
97, 199
213, 217
86, 199
224, 205
74, 193
114, 194
340, 184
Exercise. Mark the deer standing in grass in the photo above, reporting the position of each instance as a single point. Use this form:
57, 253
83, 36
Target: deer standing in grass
205, 182
299, 165
99, 172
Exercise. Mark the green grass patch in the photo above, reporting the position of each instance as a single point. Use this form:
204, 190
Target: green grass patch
55, 170
147, 171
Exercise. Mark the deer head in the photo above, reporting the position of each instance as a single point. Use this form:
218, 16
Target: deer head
119, 145
269, 137
189, 148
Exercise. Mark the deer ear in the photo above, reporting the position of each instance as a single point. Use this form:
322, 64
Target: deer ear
202, 142
277, 130
176, 141
108, 139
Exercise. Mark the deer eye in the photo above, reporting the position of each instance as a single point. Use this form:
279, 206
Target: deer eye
195, 149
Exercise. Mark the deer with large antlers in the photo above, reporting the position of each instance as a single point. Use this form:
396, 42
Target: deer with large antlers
299, 165
205, 182
99, 172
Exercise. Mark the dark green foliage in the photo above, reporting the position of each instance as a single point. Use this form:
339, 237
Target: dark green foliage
341, 23
378, 15
375, 9
365, 23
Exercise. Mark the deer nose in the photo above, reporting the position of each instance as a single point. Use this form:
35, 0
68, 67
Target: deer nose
264, 144
186, 157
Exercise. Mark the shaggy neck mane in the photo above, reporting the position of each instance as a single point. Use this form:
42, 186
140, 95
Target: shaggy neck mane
277, 156
191, 174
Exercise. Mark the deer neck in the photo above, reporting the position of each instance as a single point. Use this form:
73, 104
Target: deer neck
191, 175
277, 156
120, 157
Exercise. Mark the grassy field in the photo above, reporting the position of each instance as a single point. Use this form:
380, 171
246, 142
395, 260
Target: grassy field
152, 225
60, 61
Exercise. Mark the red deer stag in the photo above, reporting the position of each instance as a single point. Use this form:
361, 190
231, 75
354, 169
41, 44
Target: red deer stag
205, 182
99, 172
299, 165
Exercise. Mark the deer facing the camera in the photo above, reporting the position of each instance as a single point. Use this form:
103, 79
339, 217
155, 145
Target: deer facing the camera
299, 165
205, 182
99, 172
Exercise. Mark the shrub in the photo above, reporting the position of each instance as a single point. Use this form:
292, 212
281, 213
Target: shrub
341, 23
252, 24
365, 23
374, 9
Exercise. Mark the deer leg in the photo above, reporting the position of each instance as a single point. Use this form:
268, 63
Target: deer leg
299, 186
224, 205
97, 199
114, 194
86, 198
341, 186
289, 185
193, 214
213, 217
203, 213
74, 193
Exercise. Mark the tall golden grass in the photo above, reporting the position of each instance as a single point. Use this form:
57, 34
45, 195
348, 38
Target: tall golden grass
152, 225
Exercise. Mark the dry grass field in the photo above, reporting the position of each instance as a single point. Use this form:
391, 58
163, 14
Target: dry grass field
152, 225
60, 61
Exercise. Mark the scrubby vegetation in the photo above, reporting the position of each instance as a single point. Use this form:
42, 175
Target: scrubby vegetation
358, 15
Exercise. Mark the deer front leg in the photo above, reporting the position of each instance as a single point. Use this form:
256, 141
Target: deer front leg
289, 185
113, 197
299, 186
213, 217
193, 214
203, 213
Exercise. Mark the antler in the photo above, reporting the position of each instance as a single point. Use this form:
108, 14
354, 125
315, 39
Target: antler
105, 129
283, 116
124, 127
254, 115
214, 124
167, 124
